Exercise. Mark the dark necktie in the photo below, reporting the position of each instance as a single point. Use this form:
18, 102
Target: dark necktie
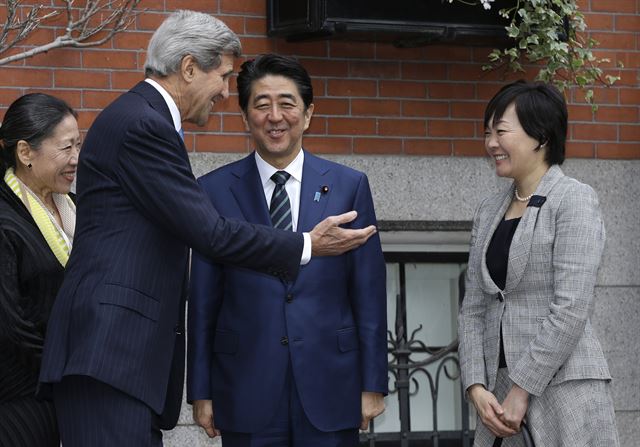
280, 208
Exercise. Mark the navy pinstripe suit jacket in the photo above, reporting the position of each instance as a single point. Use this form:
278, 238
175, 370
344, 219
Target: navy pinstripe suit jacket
119, 314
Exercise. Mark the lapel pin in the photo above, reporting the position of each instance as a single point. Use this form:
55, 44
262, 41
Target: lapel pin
323, 190
316, 197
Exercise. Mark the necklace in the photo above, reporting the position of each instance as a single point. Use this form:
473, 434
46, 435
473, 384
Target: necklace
523, 199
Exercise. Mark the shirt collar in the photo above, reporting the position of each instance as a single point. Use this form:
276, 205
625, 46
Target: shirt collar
266, 170
173, 108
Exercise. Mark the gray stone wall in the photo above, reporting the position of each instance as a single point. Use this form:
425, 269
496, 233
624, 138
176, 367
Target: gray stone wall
448, 189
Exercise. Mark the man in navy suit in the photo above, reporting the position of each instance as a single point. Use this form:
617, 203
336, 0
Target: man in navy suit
114, 351
275, 362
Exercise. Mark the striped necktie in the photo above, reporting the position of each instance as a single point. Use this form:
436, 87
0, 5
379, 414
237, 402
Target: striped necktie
280, 208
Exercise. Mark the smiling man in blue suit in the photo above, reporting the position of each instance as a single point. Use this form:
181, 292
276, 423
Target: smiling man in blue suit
275, 362
114, 350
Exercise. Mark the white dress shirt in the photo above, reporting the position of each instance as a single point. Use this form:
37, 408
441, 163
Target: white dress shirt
292, 187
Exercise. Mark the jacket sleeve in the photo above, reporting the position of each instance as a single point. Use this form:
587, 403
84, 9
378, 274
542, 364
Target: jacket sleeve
17, 335
577, 249
156, 176
205, 298
471, 316
368, 295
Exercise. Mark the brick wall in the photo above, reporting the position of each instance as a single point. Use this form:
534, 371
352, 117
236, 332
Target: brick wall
370, 98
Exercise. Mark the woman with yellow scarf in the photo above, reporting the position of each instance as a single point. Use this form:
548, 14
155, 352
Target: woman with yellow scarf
39, 144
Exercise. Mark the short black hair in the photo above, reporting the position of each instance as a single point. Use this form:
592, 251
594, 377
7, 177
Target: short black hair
32, 118
541, 110
273, 64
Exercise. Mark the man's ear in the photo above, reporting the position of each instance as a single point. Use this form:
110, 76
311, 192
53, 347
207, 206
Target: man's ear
307, 116
188, 67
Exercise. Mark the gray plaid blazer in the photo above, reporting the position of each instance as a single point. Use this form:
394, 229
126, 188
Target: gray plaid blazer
548, 297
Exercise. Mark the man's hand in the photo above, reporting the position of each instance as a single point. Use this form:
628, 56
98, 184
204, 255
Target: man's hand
328, 239
489, 411
203, 416
372, 406
515, 407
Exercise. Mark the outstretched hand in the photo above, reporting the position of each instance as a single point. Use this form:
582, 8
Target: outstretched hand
329, 239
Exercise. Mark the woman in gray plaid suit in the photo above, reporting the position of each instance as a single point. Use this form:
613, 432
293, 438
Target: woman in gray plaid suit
527, 347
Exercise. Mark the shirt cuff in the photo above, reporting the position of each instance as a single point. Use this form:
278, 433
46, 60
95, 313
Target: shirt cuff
306, 249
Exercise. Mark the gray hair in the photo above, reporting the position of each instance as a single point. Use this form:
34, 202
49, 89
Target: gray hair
189, 33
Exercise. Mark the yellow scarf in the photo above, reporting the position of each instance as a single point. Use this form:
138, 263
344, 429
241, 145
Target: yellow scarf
49, 230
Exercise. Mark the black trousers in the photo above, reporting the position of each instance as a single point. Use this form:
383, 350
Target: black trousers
92, 413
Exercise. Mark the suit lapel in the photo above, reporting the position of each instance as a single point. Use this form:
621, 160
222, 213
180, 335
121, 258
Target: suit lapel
523, 237
315, 176
249, 193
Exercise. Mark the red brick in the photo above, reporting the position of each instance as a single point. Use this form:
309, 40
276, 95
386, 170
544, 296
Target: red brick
628, 59
420, 71
352, 126
318, 126
447, 90
427, 147
486, 91
400, 89
591, 132
60, 57
614, 6
402, 127
388, 51
474, 110
25, 77
618, 151
472, 148
253, 7
629, 96
319, 86
628, 23
599, 21
351, 50
86, 118
214, 124
131, 40
237, 24
233, 123
377, 146
196, 5
425, 108
98, 99
150, 20
630, 132
601, 96
81, 79
325, 67
252, 46
124, 80
619, 114
8, 95
616, 40
375, 70
228, 106
255, 25
328, 145
448, 53
351, 87
221, 143
580, 112
40, 36
375, 107
71, 97
309, 49
451, 128
580, 150
331, 106
109, 59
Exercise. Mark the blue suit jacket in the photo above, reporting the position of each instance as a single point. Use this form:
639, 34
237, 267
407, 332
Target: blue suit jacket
119, 314
333, 315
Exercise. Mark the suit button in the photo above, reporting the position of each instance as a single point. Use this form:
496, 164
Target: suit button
500, 296
289, 297
284, 341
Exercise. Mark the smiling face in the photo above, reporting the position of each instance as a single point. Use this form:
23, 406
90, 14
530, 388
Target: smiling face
512, 150
54, 162
276, 117
206, 89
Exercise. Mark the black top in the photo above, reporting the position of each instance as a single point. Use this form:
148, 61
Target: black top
30, 276
497, 260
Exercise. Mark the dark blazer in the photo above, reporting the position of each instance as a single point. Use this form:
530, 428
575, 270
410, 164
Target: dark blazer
119, 314
330, 323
